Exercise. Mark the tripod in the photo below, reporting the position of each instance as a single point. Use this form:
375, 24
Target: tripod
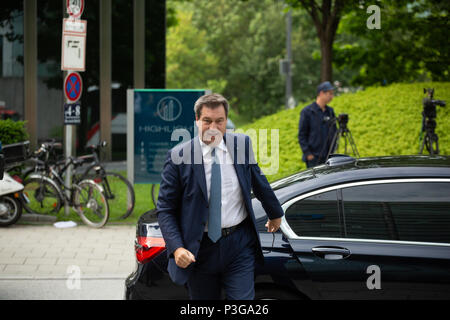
430, 141
344, 132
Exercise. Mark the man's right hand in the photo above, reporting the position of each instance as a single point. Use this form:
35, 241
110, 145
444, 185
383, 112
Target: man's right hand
183, 257
309, 157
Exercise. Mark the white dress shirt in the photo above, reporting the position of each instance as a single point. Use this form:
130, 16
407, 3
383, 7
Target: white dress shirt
233, 208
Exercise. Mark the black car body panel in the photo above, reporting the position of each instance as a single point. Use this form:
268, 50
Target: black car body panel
341, 263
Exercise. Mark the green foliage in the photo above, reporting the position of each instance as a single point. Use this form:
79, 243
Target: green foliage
189, 64
12, 131
410, 46
383, 121
234, 47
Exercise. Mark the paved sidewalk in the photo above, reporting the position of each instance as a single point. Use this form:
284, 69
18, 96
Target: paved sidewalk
46, 252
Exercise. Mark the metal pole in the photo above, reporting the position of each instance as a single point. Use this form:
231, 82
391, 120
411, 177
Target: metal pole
67, 140
139, 44
105, 76
68, 130
30, 70
289, 59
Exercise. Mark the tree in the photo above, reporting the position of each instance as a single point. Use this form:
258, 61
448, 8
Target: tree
189, 64
411, 44
326, 19
247, 41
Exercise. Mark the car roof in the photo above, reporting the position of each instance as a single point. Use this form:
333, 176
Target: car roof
344, 169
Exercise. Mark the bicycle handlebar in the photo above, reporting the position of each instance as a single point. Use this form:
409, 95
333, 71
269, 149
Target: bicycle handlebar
95, 147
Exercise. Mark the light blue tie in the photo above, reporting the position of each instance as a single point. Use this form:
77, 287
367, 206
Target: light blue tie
215, 200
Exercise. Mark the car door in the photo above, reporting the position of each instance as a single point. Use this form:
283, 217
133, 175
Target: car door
361, 250
403, 232
313, 226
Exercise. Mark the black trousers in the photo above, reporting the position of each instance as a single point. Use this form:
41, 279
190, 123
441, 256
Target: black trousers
228, 264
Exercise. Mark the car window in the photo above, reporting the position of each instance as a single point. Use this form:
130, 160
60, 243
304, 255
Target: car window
413, 211
315, 216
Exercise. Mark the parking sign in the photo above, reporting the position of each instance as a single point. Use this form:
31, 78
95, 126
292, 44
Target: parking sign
73, 45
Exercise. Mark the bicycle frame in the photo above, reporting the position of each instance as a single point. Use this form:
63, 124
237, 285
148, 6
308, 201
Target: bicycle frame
54, 177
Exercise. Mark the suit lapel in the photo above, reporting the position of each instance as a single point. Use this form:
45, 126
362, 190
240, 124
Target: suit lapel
233, 149
199, 171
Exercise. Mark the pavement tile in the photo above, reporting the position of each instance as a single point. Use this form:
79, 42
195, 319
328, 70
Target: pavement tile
39, 261
38, 251
19, 269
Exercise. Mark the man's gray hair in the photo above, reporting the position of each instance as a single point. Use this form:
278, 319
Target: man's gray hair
212, 101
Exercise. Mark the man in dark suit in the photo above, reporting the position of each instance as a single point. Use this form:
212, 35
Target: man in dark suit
317, 126
205, 211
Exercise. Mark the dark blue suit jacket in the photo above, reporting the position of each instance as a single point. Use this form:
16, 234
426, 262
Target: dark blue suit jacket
315, 132
183, 202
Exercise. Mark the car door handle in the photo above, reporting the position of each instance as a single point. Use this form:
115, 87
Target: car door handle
331, 253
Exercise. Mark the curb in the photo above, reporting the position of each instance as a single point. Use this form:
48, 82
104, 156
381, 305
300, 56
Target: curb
39, 218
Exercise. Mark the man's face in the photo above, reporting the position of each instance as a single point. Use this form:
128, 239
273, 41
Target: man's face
212, 125
327, 96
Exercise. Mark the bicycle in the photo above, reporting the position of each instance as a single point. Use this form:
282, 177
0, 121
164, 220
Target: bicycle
155, 193
118, 190
45, 193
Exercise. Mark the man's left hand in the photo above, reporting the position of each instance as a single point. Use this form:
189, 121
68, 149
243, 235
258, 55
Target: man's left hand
273, 225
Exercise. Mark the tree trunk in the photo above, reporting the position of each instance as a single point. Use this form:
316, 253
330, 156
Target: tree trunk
326, 69
326, 20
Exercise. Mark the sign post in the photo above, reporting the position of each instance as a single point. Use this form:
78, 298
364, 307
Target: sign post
73, 53
73, 45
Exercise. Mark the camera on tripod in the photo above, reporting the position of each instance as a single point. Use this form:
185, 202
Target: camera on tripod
429, 104
430, 140
342, 132
343, 120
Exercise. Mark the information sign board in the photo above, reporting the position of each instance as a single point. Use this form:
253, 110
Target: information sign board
72, 113
73, 48
152, 117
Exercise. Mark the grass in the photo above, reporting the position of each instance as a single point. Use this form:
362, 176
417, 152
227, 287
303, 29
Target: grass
143, 203
383, 121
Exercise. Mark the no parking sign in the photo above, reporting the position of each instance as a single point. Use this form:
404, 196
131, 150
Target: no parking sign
73, 86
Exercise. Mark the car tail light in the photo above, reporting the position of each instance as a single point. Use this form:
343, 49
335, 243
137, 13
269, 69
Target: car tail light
17, 178
148, 247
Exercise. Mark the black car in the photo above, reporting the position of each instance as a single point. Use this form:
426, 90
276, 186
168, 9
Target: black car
372, 228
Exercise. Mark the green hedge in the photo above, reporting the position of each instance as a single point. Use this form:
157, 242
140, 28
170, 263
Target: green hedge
12, 131
383, 121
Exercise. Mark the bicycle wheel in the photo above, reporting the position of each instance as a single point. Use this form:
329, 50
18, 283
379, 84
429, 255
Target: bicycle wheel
155, 193
40, 196
118, 191
90, 203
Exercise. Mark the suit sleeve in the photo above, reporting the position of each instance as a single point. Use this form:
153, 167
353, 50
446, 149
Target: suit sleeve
168, 206
263, 191
303, 132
